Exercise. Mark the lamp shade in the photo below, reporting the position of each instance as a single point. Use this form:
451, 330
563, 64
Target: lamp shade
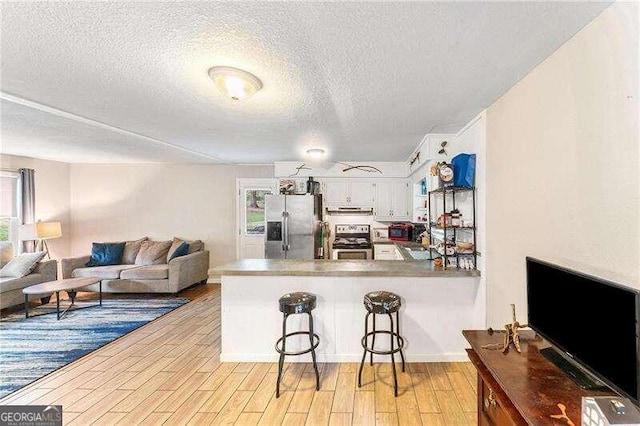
40, 231
47, 230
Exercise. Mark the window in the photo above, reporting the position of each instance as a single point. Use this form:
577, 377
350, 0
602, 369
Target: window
254, 211
9, 208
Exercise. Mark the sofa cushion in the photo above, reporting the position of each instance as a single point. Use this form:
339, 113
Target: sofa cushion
20, 266
102, 272
104, 254
194, 245
153, 253
8, 284
150, 272
131, 249
6, 252
177, 244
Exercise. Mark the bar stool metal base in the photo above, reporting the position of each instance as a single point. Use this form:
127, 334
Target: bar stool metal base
302, 352
371, 350
280, 347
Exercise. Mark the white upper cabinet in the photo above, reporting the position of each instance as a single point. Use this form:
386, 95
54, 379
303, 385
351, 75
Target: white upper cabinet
429, 150
335, 192
400, 200
361, 192
392, 200
383, 209
349, 192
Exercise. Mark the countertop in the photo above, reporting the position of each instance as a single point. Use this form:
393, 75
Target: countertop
338, 268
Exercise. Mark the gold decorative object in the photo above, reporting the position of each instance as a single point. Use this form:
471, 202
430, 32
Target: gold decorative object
563, 415
511, 334
443, 148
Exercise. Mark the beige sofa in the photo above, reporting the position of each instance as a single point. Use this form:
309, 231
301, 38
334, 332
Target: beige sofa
179, 273
11, 288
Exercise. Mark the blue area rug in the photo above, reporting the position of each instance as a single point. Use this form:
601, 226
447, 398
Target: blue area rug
34, 347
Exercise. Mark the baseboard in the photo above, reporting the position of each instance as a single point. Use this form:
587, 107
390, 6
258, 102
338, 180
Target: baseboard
273, 357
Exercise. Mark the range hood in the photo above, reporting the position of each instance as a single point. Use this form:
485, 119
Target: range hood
350, 210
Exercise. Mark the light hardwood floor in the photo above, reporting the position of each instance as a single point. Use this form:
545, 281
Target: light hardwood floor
168, 372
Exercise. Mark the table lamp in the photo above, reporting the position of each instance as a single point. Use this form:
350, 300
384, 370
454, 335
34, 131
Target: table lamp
41, 232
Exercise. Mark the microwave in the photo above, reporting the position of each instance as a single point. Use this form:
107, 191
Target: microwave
401, 232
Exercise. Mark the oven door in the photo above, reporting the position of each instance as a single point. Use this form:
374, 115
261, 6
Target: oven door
351, 254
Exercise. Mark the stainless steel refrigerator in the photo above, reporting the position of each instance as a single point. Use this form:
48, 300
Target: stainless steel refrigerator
293, 226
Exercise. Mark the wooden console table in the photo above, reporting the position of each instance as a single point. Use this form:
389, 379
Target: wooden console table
521, 388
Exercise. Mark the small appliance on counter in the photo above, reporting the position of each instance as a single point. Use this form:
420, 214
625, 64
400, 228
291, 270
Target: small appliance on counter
401, 232
380, 235
313, 187
352, 242
418, 231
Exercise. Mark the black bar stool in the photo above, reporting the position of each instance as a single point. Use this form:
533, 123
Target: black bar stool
382, 303
297, 303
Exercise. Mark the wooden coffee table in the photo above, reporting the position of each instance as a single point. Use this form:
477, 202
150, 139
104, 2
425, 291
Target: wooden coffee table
70, 285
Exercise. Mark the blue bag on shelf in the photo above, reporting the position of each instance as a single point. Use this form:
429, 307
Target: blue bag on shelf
464, 170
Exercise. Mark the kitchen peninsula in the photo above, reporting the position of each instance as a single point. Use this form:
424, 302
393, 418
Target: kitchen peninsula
436, 305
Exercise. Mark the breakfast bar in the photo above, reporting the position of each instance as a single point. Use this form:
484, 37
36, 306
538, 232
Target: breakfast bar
436, 305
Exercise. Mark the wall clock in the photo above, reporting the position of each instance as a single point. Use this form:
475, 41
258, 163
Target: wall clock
445, 172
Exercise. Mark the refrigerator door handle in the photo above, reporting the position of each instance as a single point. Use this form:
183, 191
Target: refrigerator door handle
285, 231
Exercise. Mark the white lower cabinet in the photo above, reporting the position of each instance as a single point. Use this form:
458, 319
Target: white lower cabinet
386, 252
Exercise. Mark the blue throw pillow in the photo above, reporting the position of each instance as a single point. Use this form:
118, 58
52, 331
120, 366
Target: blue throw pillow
104, 254
180, 251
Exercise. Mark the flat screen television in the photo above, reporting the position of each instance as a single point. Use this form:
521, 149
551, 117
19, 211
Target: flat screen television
593, 322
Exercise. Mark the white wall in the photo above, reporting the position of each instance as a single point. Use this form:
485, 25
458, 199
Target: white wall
52, 196
123, 201
563, 164
472, 139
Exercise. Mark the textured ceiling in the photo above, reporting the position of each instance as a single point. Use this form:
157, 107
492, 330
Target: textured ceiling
364, 81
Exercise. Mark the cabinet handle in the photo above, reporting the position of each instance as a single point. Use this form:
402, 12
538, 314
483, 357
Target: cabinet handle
490, 400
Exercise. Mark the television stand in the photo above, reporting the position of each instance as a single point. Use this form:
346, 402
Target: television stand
522, 388
575, 373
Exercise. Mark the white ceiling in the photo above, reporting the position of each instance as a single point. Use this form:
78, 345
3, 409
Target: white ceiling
364, 81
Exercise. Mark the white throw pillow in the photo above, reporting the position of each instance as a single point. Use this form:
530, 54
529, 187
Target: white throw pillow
22, 265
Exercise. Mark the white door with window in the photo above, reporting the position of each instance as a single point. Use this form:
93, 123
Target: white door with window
251, 223
9, 209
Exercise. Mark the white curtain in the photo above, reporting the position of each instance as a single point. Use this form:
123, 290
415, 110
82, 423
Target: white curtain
27, 203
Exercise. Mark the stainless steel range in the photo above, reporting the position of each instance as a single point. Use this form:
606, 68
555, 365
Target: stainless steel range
352, 242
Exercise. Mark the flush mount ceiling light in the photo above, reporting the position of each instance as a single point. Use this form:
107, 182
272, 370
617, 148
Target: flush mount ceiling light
235, 83
315, 152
